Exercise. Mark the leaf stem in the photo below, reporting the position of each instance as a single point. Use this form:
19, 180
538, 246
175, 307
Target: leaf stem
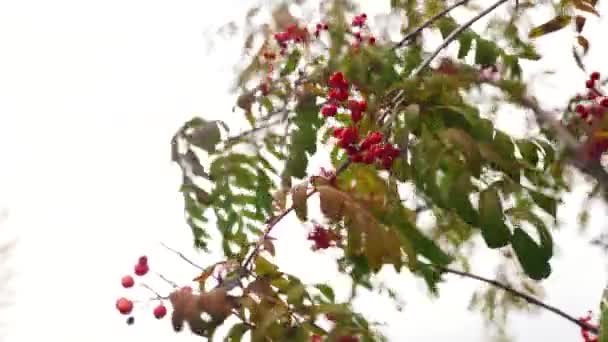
183, 257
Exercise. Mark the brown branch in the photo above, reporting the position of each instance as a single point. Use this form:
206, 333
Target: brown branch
526, 297
428, 23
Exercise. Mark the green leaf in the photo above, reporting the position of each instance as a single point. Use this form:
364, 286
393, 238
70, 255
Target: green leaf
446, 26
486, 52
327, 291
264, 267
546, 240
292, 63
604, 318
547, 203
236, 332
530, 256
467, 145
491, 219
555, 24
465, 39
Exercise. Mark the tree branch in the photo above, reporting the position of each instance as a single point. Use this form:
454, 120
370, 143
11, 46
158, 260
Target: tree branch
428, 23
183, 257
526, 297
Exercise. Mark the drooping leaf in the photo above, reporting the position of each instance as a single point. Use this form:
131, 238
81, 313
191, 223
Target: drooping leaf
555, 24
530, 256
580, 23
486, 52
327, 291
491, 219
547, 203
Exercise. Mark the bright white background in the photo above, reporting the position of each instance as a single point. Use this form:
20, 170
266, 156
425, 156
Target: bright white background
90, 95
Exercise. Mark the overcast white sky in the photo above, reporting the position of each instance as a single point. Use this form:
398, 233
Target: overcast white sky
90, 95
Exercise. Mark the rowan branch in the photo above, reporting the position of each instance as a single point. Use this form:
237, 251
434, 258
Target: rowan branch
428, 23
526, 297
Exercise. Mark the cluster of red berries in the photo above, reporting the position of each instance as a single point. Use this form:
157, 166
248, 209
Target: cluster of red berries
346, 338
371, 149
596, 103
360, 22
322, 237
591, 108
584, 332
294, 33
124, 305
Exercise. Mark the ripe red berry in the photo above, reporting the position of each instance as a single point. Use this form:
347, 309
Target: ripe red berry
387, 162
325, 27
604, 102
127, 281
329, 110
357, 158
348, 339
143, 260
372, 40
371, 139
336, 80
358, 36
124, 306
356, 116
369, 158
589, 83
160, 311
141, 269
316, 338
337, 132
350, 135
595, 76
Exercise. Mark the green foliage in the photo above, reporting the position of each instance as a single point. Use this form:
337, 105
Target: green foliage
466, 172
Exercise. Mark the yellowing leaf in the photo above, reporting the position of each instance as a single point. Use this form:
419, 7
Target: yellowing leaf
555, 24
380, 244
299, 197
584, 43
580, 23
584, 6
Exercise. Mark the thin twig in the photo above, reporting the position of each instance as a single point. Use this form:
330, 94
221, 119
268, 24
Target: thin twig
522, 295
183, 257
172, 283
428, 23
158, 296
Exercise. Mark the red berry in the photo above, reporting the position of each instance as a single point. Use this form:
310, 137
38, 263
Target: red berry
356, 116
336, 79
589, 84
595, 76
319, 26
337, 132
357, 158
141, 269
348, 339
325, 27
604, 102
127, 281
369, 158
358, 36
316, 338
372, 40
329, 110
350, 135
371, 139
142, 260
338, 94
387, 162
160, 311
124, 305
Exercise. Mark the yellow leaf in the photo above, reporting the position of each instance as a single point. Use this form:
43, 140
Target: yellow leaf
555, 24
582, 41
299, 198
